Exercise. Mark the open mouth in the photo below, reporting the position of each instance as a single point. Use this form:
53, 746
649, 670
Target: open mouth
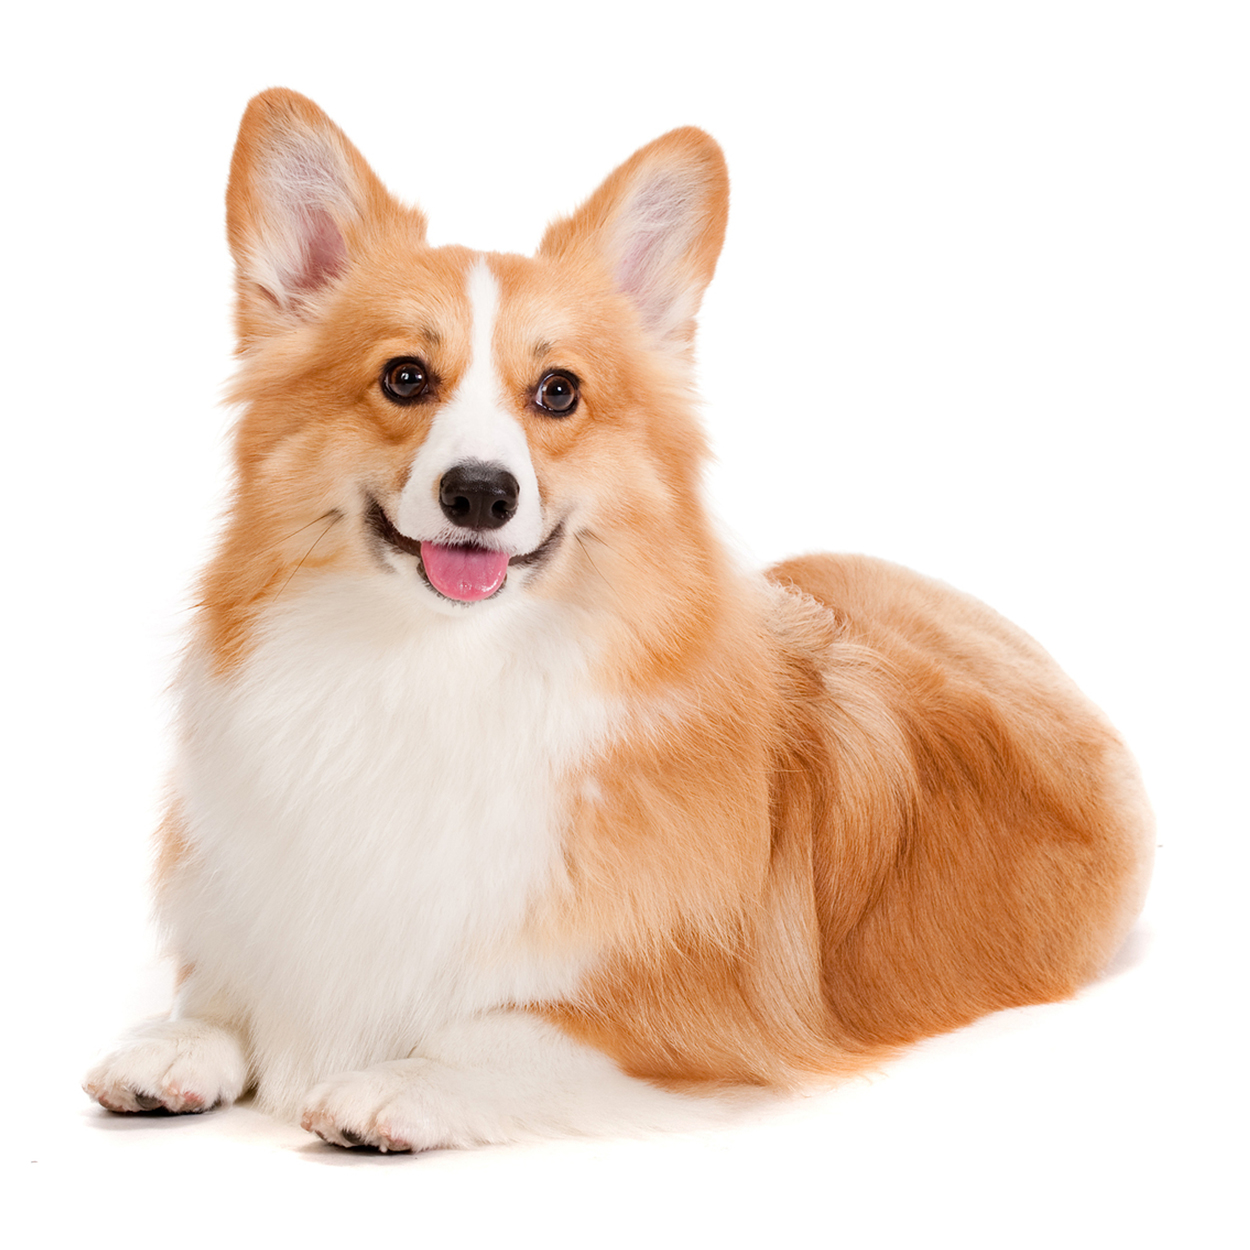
461, 572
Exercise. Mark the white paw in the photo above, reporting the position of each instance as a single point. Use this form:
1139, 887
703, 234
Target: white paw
180, 1065
407, 1104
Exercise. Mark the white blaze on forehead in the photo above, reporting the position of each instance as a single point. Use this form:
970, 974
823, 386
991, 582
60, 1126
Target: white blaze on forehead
476, 425
481, 382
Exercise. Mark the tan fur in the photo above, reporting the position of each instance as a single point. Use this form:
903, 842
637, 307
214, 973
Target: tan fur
946, 834
851, 807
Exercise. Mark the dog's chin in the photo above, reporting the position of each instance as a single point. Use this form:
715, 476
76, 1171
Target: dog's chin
477, 582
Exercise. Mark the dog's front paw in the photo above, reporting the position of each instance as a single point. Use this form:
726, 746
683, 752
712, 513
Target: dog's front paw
352, 1109
406, 1104
183, 1066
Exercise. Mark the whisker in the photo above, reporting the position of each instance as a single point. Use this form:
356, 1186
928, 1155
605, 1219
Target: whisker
330, 512
633, 558
581, 543
335, 516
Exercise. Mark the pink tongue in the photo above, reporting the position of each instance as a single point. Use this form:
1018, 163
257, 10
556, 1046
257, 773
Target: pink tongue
466, 573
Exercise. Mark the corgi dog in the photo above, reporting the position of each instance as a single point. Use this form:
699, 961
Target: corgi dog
506, 802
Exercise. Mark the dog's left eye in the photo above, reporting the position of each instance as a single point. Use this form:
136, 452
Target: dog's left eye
557, 394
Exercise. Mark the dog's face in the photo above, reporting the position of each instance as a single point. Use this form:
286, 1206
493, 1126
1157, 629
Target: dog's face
481, 427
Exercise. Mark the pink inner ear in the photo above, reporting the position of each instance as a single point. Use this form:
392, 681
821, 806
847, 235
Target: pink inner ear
307, 189
655, 230
632, 272
324, 251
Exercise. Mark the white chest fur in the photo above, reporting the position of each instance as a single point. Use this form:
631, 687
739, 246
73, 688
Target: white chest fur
374, 805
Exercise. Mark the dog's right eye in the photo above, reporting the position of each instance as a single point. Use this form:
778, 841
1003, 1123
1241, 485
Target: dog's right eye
405, 380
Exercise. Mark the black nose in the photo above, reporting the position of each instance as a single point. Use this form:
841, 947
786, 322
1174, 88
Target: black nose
478, 496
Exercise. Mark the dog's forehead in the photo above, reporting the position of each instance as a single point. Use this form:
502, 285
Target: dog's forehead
412, 290
556, 313
441, 296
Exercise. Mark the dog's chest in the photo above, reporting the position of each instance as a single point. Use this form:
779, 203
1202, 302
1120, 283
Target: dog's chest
375, 806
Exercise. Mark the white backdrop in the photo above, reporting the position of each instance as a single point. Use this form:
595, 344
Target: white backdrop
982, 310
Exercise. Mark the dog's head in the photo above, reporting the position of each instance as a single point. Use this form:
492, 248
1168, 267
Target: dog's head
478, 426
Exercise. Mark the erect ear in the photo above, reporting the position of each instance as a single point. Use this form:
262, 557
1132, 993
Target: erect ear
301, 199
656, 226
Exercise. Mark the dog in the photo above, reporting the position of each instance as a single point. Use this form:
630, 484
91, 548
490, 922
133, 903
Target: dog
507, 803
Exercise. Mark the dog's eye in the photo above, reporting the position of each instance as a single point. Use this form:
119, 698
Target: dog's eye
557, 394
405, 380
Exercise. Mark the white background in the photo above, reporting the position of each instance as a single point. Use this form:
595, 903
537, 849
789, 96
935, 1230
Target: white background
982, 310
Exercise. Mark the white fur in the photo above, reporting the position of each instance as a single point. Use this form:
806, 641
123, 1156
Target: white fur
374, 803
181, 1065
503, 1076
474, 425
